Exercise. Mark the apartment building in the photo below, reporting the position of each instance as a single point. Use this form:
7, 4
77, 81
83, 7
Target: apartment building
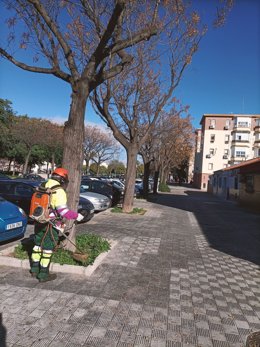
222, 141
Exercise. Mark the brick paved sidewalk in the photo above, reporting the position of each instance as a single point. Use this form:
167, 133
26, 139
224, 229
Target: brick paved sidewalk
184, 274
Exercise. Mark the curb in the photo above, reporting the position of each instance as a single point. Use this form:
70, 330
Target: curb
55, 267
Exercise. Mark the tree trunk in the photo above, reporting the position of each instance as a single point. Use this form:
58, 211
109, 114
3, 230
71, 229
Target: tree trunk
98, 168
13, 161
52, 162
146, 178
156, 179
130, 178
73, 152
87, 165
27, 161
162, 176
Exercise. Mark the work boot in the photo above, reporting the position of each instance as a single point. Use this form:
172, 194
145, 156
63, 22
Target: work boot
45, 276
34, 269
50, 277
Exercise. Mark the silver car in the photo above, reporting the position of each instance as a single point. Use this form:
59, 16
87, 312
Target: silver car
100, 202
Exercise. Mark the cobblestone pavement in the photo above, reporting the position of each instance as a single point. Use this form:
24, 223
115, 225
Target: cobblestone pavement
187, 273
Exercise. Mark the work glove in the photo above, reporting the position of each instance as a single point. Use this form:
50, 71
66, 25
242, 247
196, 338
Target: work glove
80, 217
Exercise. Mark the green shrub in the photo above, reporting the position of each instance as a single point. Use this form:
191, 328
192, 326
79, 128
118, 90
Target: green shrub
90, 244
135, 210
164, 188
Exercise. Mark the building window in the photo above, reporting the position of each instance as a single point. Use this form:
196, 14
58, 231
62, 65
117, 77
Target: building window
258, 152
240, 154
227, 123
212, 138
242, 124
212, 123
226, 151
211, 151
225, 166
226, 138
210, 166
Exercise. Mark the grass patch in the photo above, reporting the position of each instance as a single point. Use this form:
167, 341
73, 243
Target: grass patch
164, 188
135, 210
117, 210
91, 244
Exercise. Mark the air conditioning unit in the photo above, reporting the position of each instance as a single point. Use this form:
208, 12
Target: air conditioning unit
225, 156
226, 127
212, 126
208, 155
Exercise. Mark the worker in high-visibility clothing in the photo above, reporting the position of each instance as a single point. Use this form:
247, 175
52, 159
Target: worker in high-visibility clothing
46, 235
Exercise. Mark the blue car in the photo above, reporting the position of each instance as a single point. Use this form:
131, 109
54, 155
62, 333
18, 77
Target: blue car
13, 221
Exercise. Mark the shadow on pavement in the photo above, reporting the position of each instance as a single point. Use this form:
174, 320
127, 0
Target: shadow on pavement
227, 227
2, 332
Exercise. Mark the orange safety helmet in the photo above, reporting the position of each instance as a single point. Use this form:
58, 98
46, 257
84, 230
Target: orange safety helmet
61, 172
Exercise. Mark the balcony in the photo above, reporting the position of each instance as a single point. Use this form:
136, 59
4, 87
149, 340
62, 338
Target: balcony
242, 127
236, 158
257, 129
241, 141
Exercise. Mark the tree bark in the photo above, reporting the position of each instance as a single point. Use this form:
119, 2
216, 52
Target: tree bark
52, 163
9, 165
73, 152
146, 178
130, 179
27, 161
156, 179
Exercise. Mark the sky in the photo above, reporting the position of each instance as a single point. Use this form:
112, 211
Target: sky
224, 76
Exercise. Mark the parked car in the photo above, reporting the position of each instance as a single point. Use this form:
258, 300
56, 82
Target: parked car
117, 183
13, 221
139, 186
33, 177
20, 193
115, 194
3, 176
100, 202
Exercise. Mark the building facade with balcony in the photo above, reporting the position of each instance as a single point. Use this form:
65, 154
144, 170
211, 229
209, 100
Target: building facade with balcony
224, 140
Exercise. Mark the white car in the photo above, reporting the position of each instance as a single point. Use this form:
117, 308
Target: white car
100, 202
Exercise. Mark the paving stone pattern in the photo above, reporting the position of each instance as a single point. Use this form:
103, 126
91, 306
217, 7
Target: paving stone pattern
184, 274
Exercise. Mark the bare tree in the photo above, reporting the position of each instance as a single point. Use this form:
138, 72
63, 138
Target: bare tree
107, 149
168, 144
91, 142
176, 145
130, 105
99, 147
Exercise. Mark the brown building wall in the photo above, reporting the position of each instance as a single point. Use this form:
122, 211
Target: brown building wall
252, 199
200, 180
220, 122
